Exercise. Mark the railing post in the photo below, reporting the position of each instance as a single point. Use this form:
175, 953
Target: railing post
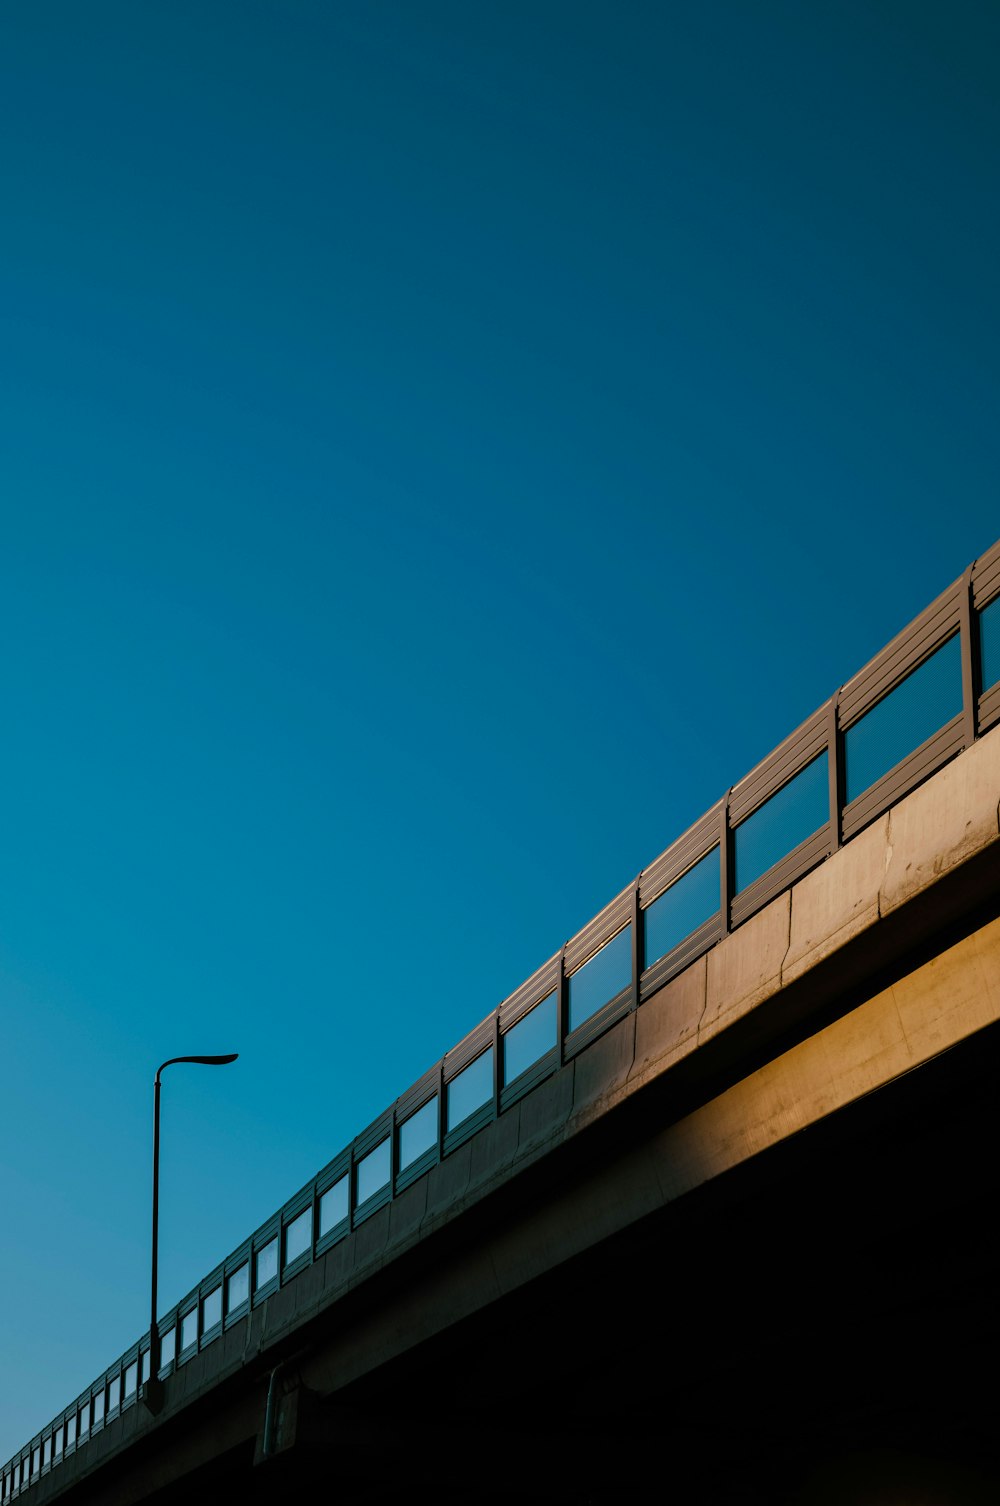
562, 1005
971, 666
835, 764
638, 949
497, 1064
725, 863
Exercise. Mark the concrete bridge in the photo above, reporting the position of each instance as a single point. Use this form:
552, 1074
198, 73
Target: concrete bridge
733, 1231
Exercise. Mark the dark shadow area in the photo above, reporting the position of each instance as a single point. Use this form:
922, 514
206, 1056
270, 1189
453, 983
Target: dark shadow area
815, 1327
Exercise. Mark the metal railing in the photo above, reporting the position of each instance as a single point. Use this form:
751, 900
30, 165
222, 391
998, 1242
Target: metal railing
929, 694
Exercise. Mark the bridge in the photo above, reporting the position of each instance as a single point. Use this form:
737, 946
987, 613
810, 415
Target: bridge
709, 1198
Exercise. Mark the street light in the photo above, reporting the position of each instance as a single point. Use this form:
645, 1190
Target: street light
151, 1392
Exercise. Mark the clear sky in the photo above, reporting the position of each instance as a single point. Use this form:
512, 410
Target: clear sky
442, 447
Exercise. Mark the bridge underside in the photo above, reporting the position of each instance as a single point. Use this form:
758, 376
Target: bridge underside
815, 1321
817, 1326
813, 1328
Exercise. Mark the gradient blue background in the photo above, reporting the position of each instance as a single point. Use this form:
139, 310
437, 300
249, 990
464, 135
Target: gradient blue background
442, 447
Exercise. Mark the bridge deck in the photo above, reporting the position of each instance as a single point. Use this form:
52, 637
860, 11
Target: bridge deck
857, 963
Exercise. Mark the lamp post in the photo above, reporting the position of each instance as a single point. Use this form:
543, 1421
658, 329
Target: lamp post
152, 1393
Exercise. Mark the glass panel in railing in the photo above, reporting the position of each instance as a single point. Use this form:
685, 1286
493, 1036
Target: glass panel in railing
70, 1430
535, 1034
266, 1267
418, 1134
298, 1236
47, 1452
374, 1171
691, 900
131, 1379
237, 1288
57, 1441
334, 1205
114, 1393
776, 828
98, 1407
211, 1310
989, 643
470, 1088
189, 1329
36, 1456
905, 718
83, 1424
601, 978
168, 1347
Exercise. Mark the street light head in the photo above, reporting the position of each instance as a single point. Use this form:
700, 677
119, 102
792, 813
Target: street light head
201, 1061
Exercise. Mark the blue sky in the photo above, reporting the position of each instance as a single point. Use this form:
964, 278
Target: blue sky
442, 447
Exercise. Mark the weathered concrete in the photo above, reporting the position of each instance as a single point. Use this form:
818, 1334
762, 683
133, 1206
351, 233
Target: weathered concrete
603, 1069
667, 1025
837, 901
745, 968
924, 1013
943, 823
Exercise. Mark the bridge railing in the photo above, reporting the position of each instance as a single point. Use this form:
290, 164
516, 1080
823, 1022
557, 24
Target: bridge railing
925, 697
